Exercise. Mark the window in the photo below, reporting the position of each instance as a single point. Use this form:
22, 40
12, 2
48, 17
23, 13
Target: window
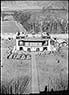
26, 43
52, 42
21, 48
21, 43
46, 43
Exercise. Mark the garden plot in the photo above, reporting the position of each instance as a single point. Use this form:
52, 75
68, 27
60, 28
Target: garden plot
19, 55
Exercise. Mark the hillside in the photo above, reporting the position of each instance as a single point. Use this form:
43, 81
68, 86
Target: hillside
36, 11
9, 27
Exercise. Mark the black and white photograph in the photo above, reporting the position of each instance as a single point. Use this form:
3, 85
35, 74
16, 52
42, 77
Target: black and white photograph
34, 47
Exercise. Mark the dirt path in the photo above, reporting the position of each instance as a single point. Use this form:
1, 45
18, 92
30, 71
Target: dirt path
35, 87
20, 27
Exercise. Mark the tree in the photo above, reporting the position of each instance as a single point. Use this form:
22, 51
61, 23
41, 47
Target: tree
43, 9
23, 18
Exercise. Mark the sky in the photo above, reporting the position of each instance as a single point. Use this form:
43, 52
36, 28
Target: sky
34, 4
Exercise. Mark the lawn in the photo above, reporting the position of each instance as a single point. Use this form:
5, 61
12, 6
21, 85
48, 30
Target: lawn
13, 69
9, 27
52, 68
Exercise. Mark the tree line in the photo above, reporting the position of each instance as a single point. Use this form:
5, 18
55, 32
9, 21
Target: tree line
38, 24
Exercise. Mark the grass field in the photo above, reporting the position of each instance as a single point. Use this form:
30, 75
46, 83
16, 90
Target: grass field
52, 68
9, 27
12, 69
